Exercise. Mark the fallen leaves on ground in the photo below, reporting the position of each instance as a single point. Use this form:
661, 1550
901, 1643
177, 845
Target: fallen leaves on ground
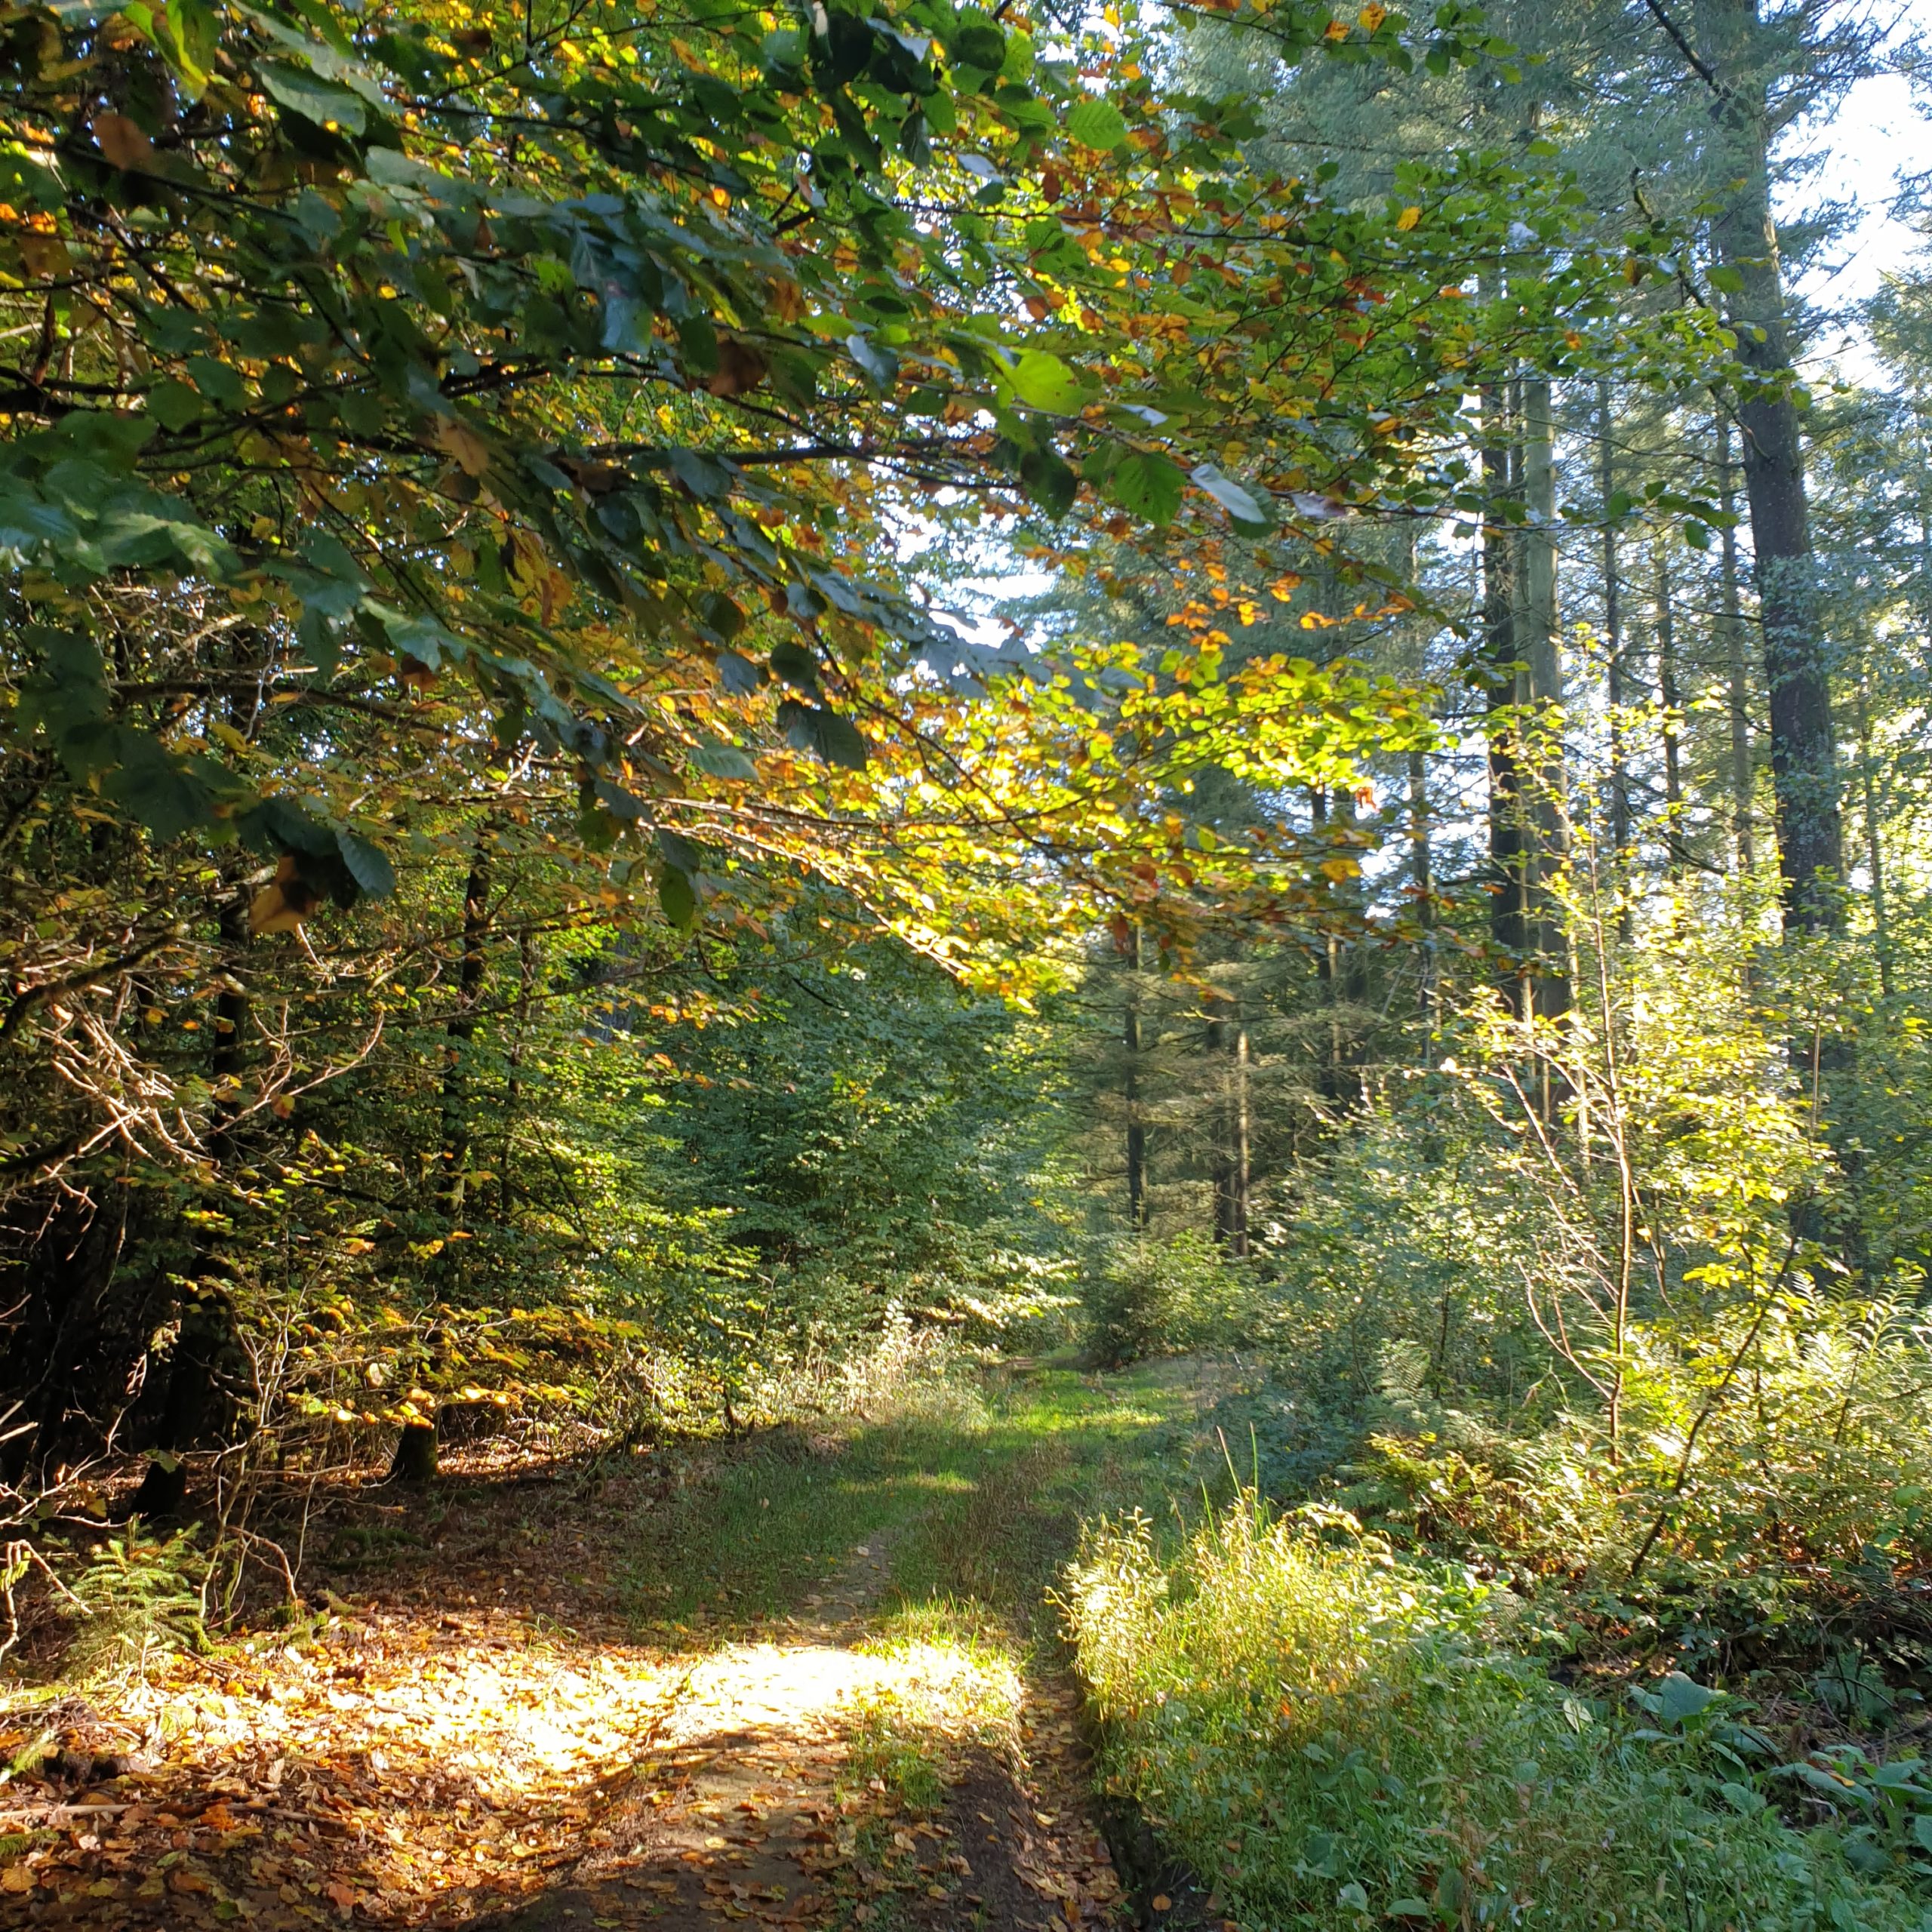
388, 1763
398, 1763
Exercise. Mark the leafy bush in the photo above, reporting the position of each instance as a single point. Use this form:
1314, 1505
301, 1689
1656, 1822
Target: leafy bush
1146, 1297
1332, 1737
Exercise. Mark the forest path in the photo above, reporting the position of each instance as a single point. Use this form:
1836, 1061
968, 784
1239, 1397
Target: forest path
803, 1680
818, 1780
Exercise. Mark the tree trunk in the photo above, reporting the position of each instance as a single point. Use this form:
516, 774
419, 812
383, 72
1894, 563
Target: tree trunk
1737, 674
1242, 1139
415, 1453
1496, 673
1540, 646
513, 1074
461, 1030
1331, 973
1227, 1041
1804, 757
1421, 881
1613, 644
1671, 699
1874, 853
205, 1341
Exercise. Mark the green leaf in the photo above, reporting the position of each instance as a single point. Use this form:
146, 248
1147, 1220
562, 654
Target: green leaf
981, 45
157, 788
723, 761
810, 728
739, 675
315, 100
1148, 486
624, 806
840, 742
1678, 1698
1248, 515
185, 31
369, 865
1096, 123
1049, 481
173, 404
279, 824
1043, 381
678, 850
879, 365
678, 897
795, 665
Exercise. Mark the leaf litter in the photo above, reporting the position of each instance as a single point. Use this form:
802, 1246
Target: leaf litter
530, 1766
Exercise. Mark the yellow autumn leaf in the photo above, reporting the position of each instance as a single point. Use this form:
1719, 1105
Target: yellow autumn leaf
457, 440
1372, 16
1407, 219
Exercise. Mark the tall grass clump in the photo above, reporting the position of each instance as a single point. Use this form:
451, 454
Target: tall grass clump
1335, 1740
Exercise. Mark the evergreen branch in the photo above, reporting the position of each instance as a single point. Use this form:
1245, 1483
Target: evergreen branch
1701, 67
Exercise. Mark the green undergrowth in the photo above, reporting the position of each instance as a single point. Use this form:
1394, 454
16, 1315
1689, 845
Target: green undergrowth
1337, 1739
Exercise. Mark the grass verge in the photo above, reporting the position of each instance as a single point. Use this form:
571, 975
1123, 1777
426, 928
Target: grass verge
1338, 1741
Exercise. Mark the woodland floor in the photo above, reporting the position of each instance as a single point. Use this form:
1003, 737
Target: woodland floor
804, 1681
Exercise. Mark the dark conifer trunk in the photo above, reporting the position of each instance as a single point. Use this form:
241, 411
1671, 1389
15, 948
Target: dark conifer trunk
1227, 1042
206, 1342
1498, 674
1803, 755
1736, 671
1421, 881
1546, 827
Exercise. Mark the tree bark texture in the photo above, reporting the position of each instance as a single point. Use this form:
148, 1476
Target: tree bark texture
1496, 672
1670, 697
1803, 755
1616, 693
1546, 830
1730, 618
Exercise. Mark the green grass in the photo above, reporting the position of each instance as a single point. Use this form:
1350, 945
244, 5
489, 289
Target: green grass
978, 1501
1332, 1739
1337, 1741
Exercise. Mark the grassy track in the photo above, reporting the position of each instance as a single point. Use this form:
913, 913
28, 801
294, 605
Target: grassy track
979, 1505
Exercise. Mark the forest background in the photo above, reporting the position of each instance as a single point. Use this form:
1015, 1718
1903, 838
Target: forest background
526, 921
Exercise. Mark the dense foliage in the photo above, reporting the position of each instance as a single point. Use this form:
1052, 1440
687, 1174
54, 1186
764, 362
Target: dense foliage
527, 915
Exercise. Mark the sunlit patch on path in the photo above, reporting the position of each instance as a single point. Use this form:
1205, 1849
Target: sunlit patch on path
811, 1782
